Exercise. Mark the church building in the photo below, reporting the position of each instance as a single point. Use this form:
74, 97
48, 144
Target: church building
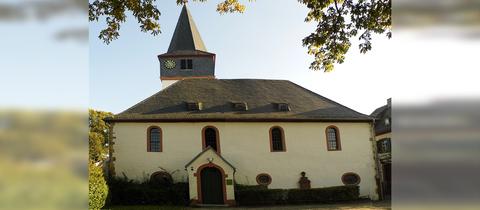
214, 133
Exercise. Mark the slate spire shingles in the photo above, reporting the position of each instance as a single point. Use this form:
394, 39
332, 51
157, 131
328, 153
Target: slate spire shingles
186, 36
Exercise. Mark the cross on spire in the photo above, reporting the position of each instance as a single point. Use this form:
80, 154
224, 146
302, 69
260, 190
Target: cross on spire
184, 2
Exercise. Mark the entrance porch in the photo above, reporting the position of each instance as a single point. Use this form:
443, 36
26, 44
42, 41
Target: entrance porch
211, 179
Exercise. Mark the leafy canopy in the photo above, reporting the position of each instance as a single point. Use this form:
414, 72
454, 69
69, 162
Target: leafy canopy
338, 22
98, 135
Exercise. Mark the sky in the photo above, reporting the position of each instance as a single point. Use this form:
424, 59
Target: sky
416, 65
264, 43
37, 70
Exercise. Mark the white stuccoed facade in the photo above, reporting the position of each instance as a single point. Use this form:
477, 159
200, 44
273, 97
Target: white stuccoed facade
246, 145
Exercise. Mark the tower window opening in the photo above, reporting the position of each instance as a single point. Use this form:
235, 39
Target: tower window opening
186, 64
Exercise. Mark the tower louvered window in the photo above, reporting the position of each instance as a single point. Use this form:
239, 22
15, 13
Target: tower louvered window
186, 64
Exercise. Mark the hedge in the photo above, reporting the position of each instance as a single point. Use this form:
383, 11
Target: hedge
255, 196
323, 195
128, 192
97, 187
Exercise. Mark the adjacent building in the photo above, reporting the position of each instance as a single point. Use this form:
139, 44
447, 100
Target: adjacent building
383, 137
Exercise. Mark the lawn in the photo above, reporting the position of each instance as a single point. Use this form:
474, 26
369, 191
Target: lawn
366, 205
147, 207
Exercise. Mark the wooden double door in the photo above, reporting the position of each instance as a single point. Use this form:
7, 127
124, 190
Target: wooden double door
212, 186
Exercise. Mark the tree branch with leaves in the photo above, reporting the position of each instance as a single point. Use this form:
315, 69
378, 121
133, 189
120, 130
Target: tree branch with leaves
338, 22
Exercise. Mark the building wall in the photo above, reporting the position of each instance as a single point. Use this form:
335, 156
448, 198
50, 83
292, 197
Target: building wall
247, 147
202, 66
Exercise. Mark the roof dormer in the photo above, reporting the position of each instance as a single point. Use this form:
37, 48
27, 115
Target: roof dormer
283, 107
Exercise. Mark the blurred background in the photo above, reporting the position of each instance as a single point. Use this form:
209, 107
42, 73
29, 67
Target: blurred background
44, 81
436, 122
43, 104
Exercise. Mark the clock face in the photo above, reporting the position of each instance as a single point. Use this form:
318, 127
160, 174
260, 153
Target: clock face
169, 64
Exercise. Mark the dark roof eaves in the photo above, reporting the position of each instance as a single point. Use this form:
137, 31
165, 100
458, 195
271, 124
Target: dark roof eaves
167, 54
239, 120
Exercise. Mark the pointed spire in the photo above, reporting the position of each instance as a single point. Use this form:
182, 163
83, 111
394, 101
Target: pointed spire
186, 35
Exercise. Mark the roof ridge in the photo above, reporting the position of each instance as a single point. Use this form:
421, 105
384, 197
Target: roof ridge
257, 79
195, 32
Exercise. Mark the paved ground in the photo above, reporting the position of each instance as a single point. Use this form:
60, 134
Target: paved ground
362, 205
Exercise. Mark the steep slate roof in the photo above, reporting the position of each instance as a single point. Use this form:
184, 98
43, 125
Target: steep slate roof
380, 114
186, 36
217, 96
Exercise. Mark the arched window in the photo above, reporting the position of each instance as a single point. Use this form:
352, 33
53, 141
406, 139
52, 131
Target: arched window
277, 139
333, 138
210, 138
154, 139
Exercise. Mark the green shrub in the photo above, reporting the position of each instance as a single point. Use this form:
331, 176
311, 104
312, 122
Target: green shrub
249, 187
128, 192
258, 196
323, 195
97, 187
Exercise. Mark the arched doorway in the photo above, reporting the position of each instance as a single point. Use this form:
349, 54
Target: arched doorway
212, 186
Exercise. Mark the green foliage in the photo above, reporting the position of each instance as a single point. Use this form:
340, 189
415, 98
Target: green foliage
248, 197
98, 135
42, 159
323, 195
240, 187
145, 11
231, 6
97, 187
338, 22
124, 191
257, 196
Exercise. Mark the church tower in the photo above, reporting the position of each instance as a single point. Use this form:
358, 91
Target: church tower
187, 57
